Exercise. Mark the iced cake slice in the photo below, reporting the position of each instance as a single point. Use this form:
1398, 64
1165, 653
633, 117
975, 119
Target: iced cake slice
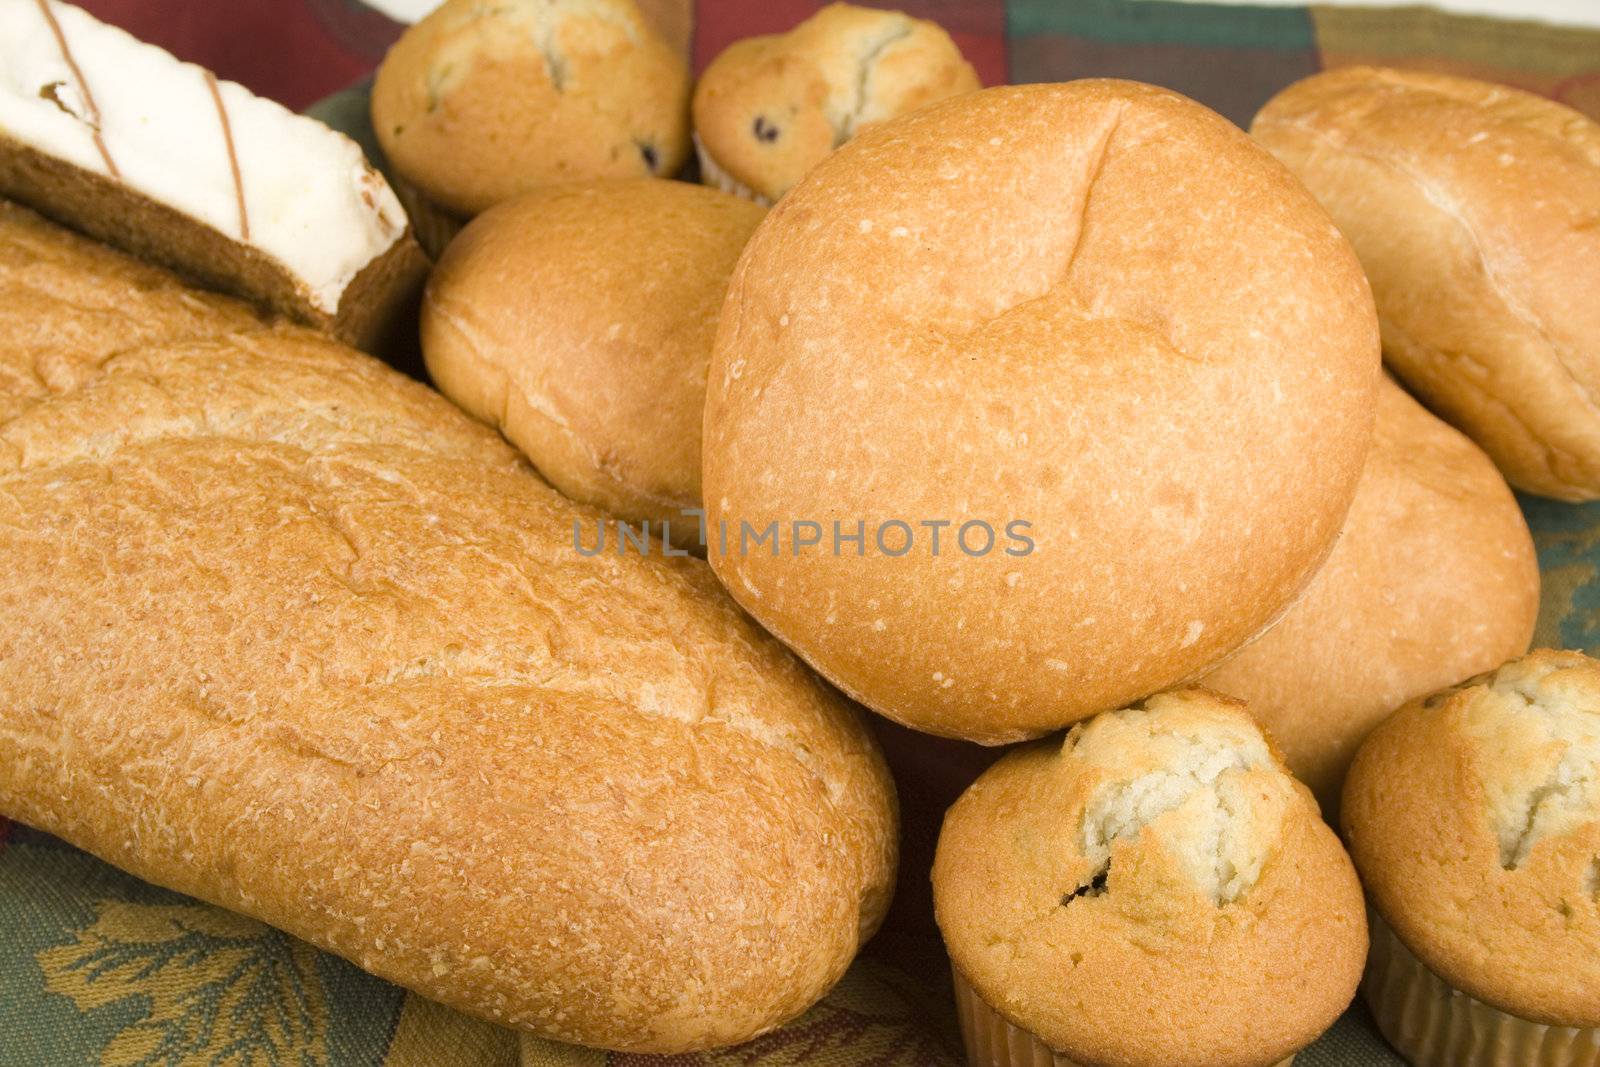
123, 141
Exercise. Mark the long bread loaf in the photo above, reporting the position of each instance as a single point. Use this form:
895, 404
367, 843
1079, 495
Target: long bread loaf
287, 632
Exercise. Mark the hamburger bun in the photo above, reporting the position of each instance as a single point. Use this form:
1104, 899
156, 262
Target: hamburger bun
1097, 310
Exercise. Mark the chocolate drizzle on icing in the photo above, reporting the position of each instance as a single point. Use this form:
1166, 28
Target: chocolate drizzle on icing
93, 118
233, 155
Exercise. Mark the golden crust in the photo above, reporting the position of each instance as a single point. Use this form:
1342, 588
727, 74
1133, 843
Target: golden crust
579, 319
1223, 924
287, 632
1475, 209
477, 103
1473, 816
1434, 579
1053, 319
770, 108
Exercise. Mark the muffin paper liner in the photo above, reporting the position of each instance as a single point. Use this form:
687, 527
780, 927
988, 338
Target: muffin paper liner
1432, 1024
717, 178
993, 1042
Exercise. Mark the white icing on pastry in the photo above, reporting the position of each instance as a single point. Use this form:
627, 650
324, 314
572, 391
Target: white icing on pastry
94, 96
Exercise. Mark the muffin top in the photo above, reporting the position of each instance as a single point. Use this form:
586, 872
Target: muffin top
1474, 818
480, 102
1154, 889
769, 108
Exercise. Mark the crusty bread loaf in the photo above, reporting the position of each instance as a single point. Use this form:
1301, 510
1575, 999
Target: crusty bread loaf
288, 632
1153, 889
578, 318
1434, 579
769, 108
1097, 308
479, 102
120, 140
1475, 209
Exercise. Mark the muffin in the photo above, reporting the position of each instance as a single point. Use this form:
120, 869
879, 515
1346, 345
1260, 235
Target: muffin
1433, 580
1154, 889
578, 319
479, 102
769, 108
1473, 816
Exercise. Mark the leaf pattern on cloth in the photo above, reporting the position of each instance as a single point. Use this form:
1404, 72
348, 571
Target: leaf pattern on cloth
217, 988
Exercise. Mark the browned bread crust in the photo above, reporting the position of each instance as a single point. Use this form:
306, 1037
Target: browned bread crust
290, 633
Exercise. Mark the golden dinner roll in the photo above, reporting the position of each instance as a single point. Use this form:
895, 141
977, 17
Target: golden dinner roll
1475, 209
479, 102
579, 319
1434, 579
1473, 816
769, 108
1154, 889
1094, 330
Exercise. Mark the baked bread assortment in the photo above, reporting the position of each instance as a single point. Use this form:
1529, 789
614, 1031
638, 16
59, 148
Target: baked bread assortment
119, 139
1475, 209
1434, 579
1104, 326
579, 319
479, 102
334, 664
1021, 409
1154, 889
769, 108
1473, 816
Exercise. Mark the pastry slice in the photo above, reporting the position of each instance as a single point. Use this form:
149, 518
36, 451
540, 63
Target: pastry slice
119, 139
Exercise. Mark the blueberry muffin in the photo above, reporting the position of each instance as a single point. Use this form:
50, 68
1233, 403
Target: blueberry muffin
1154, 889
769, 108
479, 102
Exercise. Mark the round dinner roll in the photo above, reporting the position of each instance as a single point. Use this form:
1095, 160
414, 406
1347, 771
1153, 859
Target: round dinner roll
1473, 816
1475, 209
1095, 331
479, 102
1154, 889
1433, 580
769, 108
578, 318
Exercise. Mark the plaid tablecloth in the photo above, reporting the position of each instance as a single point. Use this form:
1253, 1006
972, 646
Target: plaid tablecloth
99, 968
